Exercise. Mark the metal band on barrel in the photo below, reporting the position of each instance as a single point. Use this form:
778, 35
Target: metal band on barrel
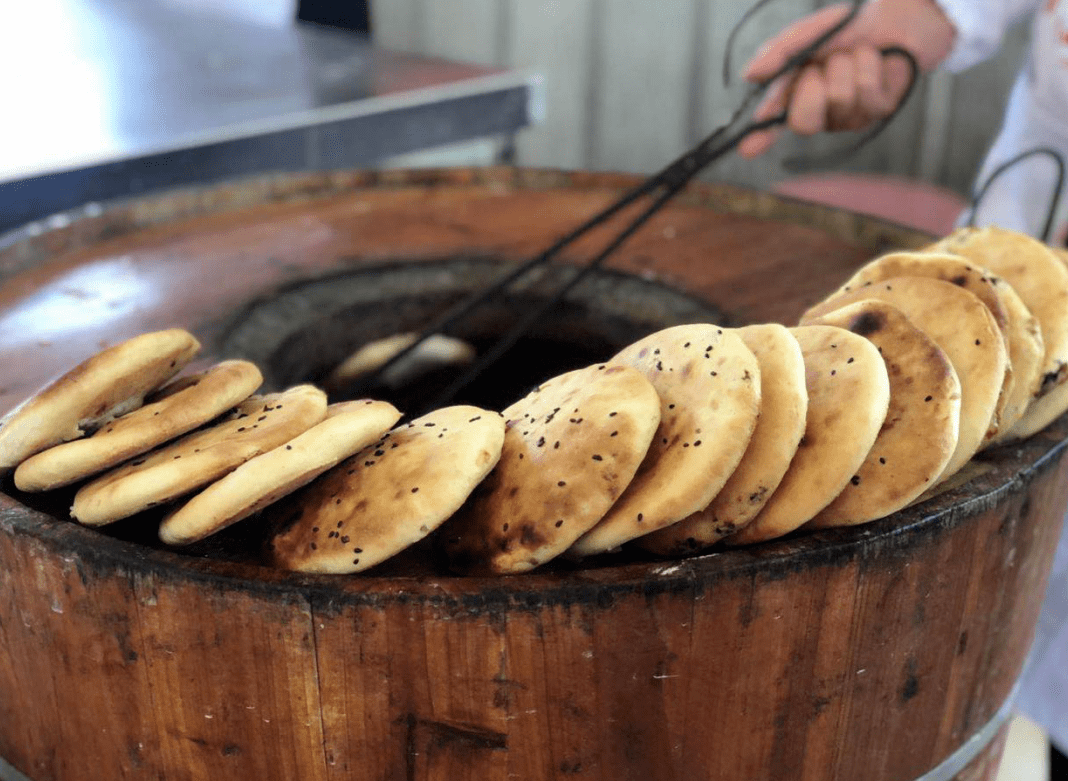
9, 772
973, 746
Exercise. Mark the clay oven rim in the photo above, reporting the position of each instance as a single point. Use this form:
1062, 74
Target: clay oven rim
29, 245
1004, 471
876, 544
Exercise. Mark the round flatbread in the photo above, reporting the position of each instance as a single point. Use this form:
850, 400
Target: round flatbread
708, 382
848, 397
1050, 406
1042, 411
570, 449
259, 424
98, 390
201, 398
435, 352
1035, 274
390, 495
349, 427
1020, 328
779, 429
919, 435
958, 322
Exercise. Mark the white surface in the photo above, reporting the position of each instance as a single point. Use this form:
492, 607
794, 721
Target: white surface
1026, 756
98, 81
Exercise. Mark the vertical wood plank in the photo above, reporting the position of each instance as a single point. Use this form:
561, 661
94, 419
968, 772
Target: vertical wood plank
462, 30
551, 37
27, 680
253, 708
645, 54
555, 649
424, 694
360, 732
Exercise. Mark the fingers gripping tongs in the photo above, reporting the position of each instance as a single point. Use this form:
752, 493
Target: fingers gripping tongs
658, 189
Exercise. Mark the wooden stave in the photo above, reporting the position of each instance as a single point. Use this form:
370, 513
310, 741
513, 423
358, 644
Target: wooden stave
136, 575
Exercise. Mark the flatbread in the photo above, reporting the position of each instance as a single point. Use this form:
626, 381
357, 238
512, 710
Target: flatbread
919, 435
390, 495
259, 424
709, 384
1043, 411
571, 448
435, 352
848, 397
203, 397
98, 390
958, 323
348, 428
1020, 328
1036, 274
1047, 408
779, 429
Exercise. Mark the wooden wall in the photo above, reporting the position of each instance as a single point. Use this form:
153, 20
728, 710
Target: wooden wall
630, 84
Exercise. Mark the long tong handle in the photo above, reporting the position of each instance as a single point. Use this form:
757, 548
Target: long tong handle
701, 158
671, 180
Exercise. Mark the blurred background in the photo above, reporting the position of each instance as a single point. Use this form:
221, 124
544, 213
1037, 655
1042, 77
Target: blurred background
631, 83
115, 98
118, 97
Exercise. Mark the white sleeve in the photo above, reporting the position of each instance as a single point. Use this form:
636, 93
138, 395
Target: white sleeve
980, 25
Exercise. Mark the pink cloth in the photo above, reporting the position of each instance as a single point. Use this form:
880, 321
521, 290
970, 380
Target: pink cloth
903, 201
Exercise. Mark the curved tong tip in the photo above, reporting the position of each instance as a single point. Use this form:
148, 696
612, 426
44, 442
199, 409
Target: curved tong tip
1055, 196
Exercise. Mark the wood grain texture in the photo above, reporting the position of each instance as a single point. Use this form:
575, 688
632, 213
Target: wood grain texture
871, 652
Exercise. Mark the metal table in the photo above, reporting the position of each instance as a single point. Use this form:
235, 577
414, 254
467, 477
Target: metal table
109, 98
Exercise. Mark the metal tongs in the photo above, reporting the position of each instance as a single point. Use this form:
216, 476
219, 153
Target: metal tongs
659, 188
1055, 195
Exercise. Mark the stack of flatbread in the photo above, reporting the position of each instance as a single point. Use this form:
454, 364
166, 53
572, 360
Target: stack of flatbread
694, 436
197, 453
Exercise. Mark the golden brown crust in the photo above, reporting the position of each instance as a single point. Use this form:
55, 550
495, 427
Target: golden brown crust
779, 428
101, 388
1048, 407
390, 495
258, 424
709, 385
348, 428
848, 396
1036, 274
570, 449
958, 322
202, 397
919, 435
1020, 328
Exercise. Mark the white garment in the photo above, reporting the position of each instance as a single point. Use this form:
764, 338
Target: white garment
1037, 115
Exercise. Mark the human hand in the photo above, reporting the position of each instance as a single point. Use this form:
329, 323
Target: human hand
849, 84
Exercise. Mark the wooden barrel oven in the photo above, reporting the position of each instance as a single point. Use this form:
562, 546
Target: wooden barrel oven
887, 652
